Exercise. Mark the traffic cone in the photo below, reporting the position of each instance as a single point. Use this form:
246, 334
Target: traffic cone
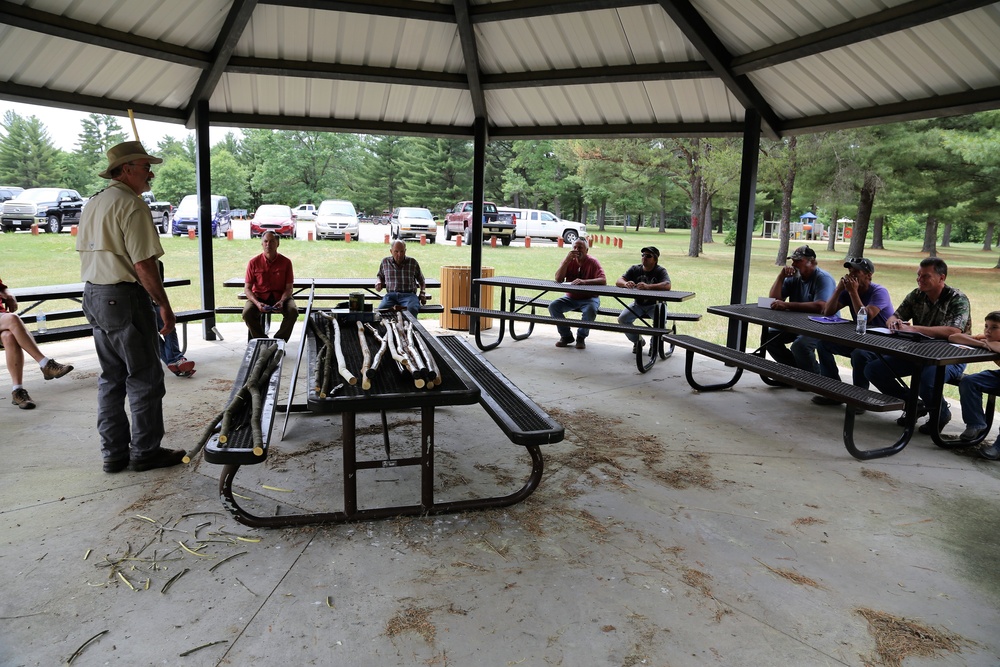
493, 241
559, 242
347, 237
191, 232
527, 241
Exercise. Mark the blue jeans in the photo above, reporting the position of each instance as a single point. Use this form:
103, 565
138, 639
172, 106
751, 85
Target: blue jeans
170, 349
885, 371
802, 354
407, 300
971, 390
588, 313
828, 365
634, 311
128, 350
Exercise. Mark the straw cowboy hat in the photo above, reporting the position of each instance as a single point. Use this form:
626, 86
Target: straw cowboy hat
126, 152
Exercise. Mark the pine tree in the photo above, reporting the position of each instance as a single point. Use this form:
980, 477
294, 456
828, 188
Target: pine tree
27, 156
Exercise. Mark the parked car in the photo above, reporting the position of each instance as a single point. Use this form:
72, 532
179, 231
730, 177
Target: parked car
50, 208
161, 211
408, 222
335, 218
458, 222
276, 218
305, 212
9, 192
186, 216
540, 224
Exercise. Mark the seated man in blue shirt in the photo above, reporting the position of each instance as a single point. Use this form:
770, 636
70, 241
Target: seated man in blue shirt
402, 278
856, 291
807, 288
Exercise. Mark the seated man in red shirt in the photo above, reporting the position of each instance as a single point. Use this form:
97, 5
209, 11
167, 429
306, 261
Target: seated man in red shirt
268, 287
16, 341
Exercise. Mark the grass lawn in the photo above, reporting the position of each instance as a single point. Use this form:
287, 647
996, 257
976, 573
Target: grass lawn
50, 259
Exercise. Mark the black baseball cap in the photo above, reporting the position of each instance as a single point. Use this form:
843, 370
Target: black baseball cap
862, 263
652, 250
803, 252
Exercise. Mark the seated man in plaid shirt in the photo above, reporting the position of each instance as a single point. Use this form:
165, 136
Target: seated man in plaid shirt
402, 279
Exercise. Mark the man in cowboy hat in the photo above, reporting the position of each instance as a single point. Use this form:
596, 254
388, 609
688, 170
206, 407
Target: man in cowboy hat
119, 248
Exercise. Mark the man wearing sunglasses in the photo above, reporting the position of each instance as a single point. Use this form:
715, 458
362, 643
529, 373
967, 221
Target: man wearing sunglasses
807, 288
119, 248
648, 275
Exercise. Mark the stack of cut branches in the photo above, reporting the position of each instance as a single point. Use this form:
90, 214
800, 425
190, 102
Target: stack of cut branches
393, 334
252, 392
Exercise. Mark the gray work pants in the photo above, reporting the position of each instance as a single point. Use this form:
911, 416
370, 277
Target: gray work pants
127, 346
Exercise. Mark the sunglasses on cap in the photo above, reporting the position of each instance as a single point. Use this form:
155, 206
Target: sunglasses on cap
647, 255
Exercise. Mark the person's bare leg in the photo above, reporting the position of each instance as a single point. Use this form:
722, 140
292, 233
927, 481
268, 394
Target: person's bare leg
15, 357
10, 323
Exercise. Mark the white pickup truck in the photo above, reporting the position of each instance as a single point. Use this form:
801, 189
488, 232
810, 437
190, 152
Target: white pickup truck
540, 224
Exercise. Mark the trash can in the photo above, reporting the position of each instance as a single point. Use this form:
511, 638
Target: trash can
456, 282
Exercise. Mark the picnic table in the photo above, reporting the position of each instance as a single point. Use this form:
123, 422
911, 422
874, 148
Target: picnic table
515, 309
465, 380
334, 289
31, 298
922, 352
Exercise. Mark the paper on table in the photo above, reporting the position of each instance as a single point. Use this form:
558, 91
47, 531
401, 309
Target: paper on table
909, 335
764, 301
823, 319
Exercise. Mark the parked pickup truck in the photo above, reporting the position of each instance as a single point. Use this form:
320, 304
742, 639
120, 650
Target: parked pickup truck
544, 225
53, 209
458, 221
161, 211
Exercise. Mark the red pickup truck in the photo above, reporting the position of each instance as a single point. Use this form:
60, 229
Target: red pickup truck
458, 221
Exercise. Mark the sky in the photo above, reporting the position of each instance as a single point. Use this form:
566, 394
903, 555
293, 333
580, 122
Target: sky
64, 126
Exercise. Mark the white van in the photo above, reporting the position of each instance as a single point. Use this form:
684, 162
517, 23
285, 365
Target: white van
544, 225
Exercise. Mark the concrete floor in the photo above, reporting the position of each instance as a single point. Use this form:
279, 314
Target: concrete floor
671, 529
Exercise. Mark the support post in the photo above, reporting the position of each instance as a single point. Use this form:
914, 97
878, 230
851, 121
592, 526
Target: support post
744, 220
203, 179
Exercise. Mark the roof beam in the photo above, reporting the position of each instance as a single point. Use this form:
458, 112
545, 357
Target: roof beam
342, 72
879, 24
229, 35
956, 104
400, 9
467, 37
586, 75
53, 25
86, 103
648, 130
308, 124
708, 44
525, 9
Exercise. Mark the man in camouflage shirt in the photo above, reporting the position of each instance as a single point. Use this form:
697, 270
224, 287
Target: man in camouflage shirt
935, 310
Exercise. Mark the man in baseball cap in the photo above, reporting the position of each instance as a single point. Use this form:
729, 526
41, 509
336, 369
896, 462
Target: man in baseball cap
647, 275
805, 288
856, 291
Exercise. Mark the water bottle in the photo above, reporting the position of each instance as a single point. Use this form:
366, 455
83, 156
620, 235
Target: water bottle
862, 325
40, 321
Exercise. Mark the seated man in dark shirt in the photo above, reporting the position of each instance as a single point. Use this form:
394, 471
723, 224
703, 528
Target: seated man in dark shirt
648, 275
